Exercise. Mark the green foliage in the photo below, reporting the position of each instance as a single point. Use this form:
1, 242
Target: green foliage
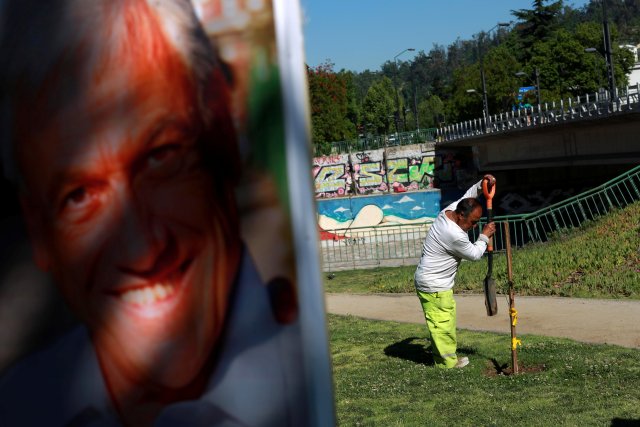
601, 260
625, 14
383, 377
431, 111
464, 105
566, 69
500, 66
379, 105
536, 24
331, 106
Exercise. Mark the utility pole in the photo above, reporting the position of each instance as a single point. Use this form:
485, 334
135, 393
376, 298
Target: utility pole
395, 86
538, 88
415, 107
608, 54
485, 102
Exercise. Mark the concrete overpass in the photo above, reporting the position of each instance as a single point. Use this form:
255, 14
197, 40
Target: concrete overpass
594, 132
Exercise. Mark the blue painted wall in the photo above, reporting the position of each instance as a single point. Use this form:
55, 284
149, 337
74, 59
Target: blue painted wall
413, 205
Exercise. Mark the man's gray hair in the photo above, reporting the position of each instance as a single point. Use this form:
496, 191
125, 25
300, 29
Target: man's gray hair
45, 41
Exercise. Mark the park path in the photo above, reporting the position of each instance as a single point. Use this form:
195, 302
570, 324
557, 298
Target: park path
586, 320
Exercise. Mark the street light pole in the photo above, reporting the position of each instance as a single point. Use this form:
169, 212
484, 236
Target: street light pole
415, 108
535, 70
485, 102
608, 52
395, 86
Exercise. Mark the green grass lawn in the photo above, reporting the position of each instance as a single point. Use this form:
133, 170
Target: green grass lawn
383, 371
384, 377
599, 260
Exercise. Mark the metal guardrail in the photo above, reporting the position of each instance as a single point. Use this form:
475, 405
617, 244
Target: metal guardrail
402, 244
573, 212
374, 142
387, 246
573, 109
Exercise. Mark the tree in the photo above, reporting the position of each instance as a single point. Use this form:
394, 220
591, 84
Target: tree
500, 67
353, 106
431, 112
362, 81
566, 69
379, 106
463, 105
330, 106
536, 24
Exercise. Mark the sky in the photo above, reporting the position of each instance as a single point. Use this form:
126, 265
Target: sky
363, 34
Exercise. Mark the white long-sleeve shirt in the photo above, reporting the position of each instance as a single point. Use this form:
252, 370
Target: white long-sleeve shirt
445, 246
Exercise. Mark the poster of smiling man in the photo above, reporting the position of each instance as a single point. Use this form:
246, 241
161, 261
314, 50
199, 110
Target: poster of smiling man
149, 144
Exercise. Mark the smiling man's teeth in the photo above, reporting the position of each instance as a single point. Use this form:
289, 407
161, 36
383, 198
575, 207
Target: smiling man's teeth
148, 295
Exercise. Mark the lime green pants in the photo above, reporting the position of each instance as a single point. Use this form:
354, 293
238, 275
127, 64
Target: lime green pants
440, 313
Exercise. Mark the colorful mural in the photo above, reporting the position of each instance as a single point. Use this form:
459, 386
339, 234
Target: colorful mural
332, 176
378, 210
393, 170
410, 168
369, 172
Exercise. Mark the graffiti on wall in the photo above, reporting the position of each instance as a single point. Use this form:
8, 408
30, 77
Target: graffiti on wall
332, 176
368, 172
394, 170
410, 168
407, 174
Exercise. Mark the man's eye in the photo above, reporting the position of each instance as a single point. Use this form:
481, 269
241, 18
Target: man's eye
77, 197
81, 202
161, 155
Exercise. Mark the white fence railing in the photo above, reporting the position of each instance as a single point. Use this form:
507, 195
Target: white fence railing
572, 109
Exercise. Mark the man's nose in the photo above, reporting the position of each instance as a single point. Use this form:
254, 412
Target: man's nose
142, 239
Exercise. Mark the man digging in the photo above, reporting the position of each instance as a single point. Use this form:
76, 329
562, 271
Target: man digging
446, 245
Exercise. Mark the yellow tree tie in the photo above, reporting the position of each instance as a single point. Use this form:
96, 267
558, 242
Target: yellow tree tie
515, 342
514, 316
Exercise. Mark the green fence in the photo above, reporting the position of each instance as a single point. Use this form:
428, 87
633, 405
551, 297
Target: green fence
402, 244
374, 142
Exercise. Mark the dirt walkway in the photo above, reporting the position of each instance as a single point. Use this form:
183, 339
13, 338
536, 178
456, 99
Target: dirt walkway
587, 320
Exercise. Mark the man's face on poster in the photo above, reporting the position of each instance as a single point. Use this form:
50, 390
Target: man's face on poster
124, 214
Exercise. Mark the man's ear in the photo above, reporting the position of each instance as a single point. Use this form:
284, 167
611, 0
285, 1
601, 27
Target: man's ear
35, 230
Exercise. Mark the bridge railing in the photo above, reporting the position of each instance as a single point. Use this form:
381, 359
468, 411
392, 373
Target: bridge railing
402, 244
572, 109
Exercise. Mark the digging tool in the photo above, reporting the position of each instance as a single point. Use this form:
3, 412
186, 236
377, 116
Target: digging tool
513, 313
490, 300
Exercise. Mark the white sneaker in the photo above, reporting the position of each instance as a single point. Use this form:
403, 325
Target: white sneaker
462, 362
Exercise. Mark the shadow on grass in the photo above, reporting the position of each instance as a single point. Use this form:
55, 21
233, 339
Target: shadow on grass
619, 422
501, 369
416, 352
408, 350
